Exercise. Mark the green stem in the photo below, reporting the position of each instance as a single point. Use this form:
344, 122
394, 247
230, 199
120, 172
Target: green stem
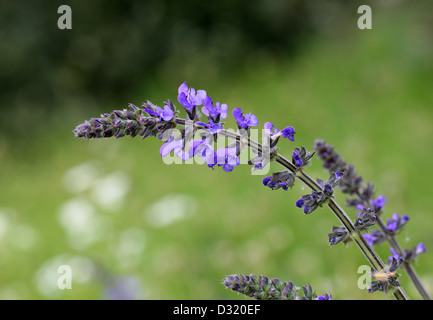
363, 245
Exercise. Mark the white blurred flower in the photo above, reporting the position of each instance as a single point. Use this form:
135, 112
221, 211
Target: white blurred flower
109, 191
170, 209
128, 247
81, 177
82, 225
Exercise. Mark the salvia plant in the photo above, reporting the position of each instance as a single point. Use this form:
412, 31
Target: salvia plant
201, 134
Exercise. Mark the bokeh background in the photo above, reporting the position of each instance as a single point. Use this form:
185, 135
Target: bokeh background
132, 227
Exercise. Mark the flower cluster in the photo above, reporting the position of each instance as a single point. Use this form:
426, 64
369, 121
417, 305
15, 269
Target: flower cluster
311, 202
339, 234
409, 254
396, 223
282, 179
371, 210
153, 120
132, 122
385, 279
375, 237
301, 157
365, 219
263, 288
190, 99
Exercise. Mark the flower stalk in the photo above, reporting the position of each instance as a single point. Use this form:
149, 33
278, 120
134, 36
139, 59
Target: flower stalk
353, 185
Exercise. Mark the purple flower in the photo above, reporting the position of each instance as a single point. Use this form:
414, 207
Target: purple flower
166, 114
289, 133
249, 120
225, 157
189, 98
378, 203
282, 179
420, 248
408, 254
338, 234
213, 127
300, 203
173, 145
395, 255
269, 128
326, 296
328, 188
201, 148
365, 219
212, 112
370, 239
297, 159
267, 181
396, 223
376, 237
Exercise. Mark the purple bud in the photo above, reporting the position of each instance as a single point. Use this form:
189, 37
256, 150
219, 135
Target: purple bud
300, 203
289, 133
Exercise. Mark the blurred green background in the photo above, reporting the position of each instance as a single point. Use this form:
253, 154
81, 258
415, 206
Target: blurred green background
132, 227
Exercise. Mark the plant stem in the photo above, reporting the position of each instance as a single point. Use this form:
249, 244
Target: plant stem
369, 253
406, 265
363, 245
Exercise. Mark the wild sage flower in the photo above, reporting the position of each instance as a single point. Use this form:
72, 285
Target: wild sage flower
282, 179
301, 157
215, 112
385, 279
213, 127
396, 223
269, 129
244, 121
365, 219
375, 237
311, 202
190, 99
326, 296
176, 145
378, 203
333, 161
202, 148
409, 254
166, 114
225, 157
339, 234
119, 123
288, 132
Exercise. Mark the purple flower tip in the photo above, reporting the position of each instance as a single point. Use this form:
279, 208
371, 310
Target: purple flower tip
420, 248
266, 180
269, 128
300, 203
244, 121
297, 159
289, 133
